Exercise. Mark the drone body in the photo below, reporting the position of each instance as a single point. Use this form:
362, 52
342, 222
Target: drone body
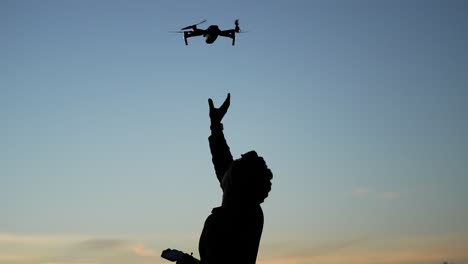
211, 33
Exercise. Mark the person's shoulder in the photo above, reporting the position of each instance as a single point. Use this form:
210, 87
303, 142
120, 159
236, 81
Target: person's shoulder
213, 220
217, 210
216, 213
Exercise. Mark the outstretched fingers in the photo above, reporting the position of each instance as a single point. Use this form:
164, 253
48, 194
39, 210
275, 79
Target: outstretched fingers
224, 107
217, 114
210, 103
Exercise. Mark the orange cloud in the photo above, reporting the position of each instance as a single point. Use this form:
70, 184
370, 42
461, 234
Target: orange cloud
141, 251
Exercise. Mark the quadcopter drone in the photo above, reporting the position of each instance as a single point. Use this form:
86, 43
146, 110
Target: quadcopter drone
211, 33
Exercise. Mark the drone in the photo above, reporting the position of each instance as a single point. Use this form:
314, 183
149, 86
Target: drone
211, 33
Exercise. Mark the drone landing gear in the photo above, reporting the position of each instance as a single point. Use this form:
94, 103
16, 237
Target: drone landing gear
232, 35
185, 38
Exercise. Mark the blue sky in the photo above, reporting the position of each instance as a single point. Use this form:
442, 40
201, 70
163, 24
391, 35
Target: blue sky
359, 108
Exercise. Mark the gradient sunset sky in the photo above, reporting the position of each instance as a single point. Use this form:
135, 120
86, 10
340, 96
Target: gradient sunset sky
358, 107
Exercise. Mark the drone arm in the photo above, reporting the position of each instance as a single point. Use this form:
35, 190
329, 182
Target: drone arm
189, 34
230, 33
227, 33
195, 33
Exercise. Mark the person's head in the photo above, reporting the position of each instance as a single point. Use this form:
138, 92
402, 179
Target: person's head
248, 180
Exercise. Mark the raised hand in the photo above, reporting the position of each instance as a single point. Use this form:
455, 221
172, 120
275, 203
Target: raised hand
217, 114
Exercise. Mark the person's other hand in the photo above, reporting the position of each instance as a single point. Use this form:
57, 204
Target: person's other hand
217, 114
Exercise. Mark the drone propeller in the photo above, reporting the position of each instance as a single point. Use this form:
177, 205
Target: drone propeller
194, 26
237, 29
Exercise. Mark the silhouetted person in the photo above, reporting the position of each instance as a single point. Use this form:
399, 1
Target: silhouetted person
232, 232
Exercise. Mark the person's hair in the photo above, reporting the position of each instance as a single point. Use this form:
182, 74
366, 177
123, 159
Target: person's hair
251, 178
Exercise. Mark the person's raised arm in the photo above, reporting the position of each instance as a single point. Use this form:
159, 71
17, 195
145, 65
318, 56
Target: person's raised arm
220, 153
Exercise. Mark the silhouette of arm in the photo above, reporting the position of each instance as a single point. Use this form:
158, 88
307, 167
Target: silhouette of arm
220, 152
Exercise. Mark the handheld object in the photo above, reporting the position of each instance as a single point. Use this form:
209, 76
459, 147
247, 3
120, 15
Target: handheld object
172, 254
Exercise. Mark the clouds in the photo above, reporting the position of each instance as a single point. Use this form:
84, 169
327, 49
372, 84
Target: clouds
324, 249
102, 244
390, 195
360, 192
73, 249
117, 245
13, 258
378, 250
38, 239
82, 249
364, 192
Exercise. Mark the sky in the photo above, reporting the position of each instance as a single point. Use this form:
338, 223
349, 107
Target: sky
358, 107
